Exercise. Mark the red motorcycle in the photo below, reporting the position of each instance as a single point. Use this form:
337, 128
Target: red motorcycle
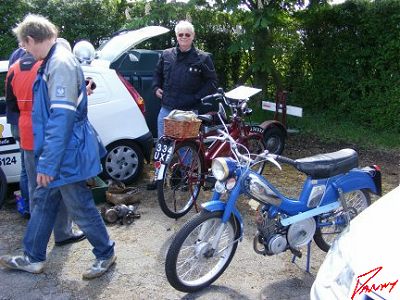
183, 164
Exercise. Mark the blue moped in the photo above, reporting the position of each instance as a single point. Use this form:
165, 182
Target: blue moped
334, 192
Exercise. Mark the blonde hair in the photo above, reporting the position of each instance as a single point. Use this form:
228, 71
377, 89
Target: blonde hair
184, 25
37, 27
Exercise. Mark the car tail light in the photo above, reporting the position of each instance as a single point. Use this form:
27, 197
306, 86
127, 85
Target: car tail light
134, 93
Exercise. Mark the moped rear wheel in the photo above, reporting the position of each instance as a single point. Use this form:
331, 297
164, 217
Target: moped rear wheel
324, 236
191, 263
181, 182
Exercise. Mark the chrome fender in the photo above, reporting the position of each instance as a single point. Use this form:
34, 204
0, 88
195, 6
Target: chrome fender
217, 205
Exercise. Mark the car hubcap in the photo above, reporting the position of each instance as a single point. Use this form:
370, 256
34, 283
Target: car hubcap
121, 163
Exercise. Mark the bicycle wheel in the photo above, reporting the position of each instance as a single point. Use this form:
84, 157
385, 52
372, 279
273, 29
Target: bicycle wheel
181, 182
191, 263
356, 201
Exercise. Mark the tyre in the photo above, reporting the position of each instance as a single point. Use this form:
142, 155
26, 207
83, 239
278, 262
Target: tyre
356, 201
191, 264
274, 139
123, 162
180, 186
3, 187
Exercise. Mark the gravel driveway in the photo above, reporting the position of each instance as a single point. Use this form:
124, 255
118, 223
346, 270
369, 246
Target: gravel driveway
141, 249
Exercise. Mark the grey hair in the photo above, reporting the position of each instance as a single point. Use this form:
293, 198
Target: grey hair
184, 25
37, 27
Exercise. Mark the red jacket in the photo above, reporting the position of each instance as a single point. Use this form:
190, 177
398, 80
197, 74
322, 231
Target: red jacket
19, 84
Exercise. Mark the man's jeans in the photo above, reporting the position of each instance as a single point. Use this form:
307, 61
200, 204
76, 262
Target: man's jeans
63, 223
23, 179
160, 120
79, 202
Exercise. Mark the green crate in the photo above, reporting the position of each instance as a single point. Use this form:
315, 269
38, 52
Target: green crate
99, 190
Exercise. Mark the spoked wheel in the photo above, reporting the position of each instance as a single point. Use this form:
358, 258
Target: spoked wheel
180, 186
256, 145
191, 263
332, 224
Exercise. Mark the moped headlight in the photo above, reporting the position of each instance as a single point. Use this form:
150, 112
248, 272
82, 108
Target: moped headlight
222, 167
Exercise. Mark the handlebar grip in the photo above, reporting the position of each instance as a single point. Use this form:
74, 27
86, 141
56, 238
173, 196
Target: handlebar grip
285, 160
213, 96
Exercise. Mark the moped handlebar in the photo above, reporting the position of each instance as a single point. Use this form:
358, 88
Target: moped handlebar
285, 160
211, 97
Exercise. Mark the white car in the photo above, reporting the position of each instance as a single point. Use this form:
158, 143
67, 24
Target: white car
363, 263
114, 109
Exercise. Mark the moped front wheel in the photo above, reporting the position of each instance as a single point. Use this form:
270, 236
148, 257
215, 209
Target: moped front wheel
334, 223
191, 263
181, 182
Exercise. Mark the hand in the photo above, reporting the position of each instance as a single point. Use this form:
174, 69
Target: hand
43, 179
159, 93
90, 86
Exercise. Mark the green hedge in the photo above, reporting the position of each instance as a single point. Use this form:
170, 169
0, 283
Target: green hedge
349, 63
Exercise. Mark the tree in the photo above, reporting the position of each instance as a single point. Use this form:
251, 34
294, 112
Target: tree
268, 31
83, 19
11, 12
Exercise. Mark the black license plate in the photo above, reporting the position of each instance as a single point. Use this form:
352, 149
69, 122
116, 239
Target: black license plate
164, 150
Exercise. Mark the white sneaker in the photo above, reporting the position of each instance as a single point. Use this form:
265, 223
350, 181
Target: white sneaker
21, 262
99, 268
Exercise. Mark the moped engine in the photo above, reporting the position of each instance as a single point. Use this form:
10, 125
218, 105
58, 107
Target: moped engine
271, 235
273, 238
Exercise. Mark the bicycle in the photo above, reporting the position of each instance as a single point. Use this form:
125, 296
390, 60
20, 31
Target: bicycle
183, 164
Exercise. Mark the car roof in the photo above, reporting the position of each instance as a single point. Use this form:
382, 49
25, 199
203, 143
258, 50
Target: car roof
117, 45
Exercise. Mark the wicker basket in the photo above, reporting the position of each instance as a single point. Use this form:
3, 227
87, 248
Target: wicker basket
181, 129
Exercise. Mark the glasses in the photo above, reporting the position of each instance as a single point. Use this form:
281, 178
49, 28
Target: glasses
184, 34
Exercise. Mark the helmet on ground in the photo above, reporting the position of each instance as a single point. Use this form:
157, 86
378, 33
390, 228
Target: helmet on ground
84, 52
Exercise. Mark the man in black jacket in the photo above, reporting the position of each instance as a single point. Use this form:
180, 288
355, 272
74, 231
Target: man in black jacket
182, 77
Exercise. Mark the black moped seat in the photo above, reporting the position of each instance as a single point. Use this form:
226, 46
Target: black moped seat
328, 164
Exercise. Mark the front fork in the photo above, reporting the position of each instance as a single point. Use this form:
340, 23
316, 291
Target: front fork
204, 230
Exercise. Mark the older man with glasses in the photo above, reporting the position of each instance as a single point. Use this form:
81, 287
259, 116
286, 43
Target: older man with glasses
182, 77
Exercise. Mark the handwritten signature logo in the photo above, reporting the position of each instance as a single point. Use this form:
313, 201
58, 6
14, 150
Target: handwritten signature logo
368, 287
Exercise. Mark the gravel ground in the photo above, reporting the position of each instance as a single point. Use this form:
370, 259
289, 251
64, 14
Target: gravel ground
141, 248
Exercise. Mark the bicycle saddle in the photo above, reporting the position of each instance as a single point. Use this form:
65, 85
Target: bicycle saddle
328, 164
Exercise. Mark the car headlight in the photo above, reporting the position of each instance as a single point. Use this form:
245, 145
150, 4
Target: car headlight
335, 275
222, 167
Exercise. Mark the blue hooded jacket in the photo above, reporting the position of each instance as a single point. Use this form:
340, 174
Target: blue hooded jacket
65, 144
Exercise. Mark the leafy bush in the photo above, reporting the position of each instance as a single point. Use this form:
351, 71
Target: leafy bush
348, 66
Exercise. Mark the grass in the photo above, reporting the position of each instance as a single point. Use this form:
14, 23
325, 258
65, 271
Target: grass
338, 130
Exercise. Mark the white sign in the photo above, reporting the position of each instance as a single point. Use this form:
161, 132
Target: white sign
242, 92
290, 110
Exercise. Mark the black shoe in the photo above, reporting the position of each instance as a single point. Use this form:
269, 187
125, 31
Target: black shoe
151, 186
74, 239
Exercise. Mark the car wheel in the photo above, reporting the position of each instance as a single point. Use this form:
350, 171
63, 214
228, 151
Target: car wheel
123, 162
3, 187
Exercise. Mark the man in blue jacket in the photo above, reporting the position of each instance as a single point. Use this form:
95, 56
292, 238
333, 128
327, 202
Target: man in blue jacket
67, 151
